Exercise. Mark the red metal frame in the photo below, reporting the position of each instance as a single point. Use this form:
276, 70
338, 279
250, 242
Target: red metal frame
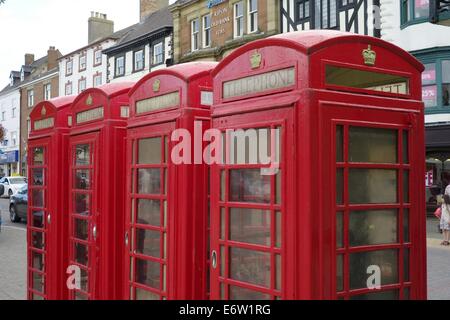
100, 123
49, 132
310, 111
182, 190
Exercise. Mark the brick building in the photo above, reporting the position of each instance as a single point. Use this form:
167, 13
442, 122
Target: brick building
40, 82
211, 29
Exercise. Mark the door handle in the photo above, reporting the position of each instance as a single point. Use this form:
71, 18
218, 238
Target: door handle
214, 259
126, 238
94, 232
49, 219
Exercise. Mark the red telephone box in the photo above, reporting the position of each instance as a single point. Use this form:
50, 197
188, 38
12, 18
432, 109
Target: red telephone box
96, 190
47, 219
340, 212
167, 203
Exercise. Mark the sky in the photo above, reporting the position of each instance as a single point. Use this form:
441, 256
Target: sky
33, 26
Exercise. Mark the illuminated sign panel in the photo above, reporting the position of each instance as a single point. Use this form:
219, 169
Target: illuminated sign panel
90, 115
44, 124
158, 103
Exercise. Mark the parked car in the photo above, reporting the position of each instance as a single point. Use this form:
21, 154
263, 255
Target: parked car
18, 205
10, 185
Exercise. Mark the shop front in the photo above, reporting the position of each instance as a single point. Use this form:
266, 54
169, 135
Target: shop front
320, 194
9, 161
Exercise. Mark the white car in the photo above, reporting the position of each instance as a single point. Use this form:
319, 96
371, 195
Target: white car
11, 185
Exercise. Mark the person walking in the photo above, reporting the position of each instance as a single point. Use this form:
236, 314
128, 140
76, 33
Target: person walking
445, 220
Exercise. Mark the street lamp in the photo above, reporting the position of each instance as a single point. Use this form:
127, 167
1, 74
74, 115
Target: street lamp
440, 12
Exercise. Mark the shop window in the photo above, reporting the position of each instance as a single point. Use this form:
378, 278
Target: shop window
414, 11
429, 89
436, 84
437, 178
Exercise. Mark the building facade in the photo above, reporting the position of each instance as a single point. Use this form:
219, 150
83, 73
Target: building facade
211, 29
407, 25
146, 46
87, 67
40, 82
10, 126
357, 16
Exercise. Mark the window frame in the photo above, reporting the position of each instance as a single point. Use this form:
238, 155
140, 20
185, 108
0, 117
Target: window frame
30, 98
47, 93
83, 56
297, 5
249, 17
96, 64
142, 49
236, 18
195, 35
81, 80
116, 58
154, 45
95, 76
69, 62
206, 31
67, 85
411, 8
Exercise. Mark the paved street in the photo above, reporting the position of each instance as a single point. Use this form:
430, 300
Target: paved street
13, 260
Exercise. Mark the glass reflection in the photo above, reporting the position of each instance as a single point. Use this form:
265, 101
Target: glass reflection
145, 295
38, 261
148, 243
82, 203
148, 273
248, 185
37, 239
367, 186
83, 155
250, 266
37, 198
149, 181
82, 179
150, 151
38, 219
149, 212
37, 177
373, 227
372, 145
250, 226
38, 156
81, 229
81, 254
38, 282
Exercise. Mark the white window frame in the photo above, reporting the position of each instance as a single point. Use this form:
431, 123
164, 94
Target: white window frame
238, 20
80, 88
69, 92
99, 57
97, 76
160, 54
30, 98
82, 61
47, 91
206, 31
69, 66
252, 14
117, 72
135, 53
195, 35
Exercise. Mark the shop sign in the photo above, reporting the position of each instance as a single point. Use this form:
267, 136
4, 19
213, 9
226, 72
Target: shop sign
158, 103
9, 157
429, 93
90, 115
44, 123
429, 75
213, 3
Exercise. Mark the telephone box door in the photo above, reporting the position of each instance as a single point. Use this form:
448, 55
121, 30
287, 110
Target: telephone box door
375, 214
38, 220
249, 224
84, 249
148, 220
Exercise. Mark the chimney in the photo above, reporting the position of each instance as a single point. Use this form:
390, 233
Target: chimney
150, 6
29, 59
99, 26
52, 58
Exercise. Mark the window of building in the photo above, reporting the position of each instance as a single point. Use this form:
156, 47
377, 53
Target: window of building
347, 3
69, 90
98, 57
138, 57
30, 98
436, 84
238, 19
120, 66
206, 31
82, 62
97, 80
47, 91
252, 15
14, 139
3, 115
414, 11
81, 85
14, 112
69, 67
158, 53
195, 35
303, 10
325, 14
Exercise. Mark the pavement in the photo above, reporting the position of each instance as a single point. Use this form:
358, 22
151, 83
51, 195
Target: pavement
13, 260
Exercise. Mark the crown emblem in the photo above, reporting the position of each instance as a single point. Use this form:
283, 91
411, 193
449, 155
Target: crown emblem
369, 56
256, 60
156, 85
43, 111
89, 100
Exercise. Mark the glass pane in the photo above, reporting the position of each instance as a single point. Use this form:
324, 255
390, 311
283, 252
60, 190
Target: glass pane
80, 296
149, 181
38, 219
250, 266
82, 180
222, 185
82, 204
38, 282
149, 212
372, 186
340, 230
446, 95
278, 188
278, 272
406, 225
238, 293
37, 198
84, 280
222, 291
223, 221
222, 261
83, 155
373, 227
339, 144
37, 239
406, 265
38, 261
422, 8
429, 74
38, 177
361, 79
445, 71
406, 186
406, 294
372, 145
386, 260
150, 151
146, 295
250, 226
429, 96
383, 295
405, 147
81, 229
340, 273
148, 243
38, 156
248, 185
148, 273
278, 229
81, 254
340, 186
